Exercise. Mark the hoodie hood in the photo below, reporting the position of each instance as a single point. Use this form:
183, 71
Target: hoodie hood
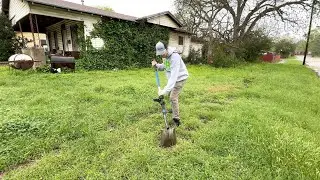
172, 50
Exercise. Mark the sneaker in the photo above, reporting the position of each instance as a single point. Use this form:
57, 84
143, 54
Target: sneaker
176, 121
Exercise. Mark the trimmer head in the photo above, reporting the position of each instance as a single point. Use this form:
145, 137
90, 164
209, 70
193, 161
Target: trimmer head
168, 137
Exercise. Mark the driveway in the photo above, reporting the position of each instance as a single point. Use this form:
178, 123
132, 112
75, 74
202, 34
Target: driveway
312, 62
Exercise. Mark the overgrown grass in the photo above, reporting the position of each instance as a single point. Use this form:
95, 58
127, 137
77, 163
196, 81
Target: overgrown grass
252, 122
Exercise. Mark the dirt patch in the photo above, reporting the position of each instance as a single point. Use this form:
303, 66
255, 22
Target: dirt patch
23, 165
221, 88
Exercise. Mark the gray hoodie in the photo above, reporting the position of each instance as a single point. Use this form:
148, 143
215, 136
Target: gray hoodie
175, 69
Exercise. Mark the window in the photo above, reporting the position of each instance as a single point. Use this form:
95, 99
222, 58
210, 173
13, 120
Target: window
180, 40
43, 42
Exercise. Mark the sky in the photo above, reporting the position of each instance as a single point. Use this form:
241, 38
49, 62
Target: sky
137, 8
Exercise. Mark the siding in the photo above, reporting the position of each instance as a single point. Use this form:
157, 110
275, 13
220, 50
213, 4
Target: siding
163, 20
17, 10
174, 42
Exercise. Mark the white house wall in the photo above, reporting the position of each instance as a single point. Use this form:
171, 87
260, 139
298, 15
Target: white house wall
174, 42
164, 20
17, 10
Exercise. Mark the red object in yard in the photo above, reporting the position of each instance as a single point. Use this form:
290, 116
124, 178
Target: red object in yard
270, 57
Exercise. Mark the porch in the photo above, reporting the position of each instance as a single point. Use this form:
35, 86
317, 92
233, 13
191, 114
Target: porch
62, 35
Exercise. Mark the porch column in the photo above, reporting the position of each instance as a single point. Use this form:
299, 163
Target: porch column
37, 30
21, 34
32, 29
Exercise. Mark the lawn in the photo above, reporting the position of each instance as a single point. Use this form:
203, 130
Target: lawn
259, 121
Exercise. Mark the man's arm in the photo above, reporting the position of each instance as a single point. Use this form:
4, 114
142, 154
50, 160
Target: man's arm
175, 67
160, 67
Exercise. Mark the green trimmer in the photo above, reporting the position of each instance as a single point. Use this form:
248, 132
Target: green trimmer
168, 136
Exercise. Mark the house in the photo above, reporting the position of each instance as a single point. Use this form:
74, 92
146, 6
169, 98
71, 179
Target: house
61, 22
41, 39
178, 38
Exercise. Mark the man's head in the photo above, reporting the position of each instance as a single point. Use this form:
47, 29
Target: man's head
161, 50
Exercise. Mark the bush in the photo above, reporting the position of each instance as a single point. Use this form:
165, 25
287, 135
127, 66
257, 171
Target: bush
43, 69
223, 58
247, 49
6, 38
315, 43
285, 47
253, 45
127, 44
195, 57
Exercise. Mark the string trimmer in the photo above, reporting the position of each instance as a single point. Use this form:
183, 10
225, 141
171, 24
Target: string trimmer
168, 136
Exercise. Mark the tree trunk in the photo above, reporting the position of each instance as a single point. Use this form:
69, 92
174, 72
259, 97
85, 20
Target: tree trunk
210, 45
210, 54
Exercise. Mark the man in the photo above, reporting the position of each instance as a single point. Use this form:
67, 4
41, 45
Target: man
177, 75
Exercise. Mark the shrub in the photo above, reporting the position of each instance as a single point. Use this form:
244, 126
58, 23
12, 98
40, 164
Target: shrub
126, 44
6, 38
195, 57
285, 47
253, 45
315, 43
224, 58
234, 52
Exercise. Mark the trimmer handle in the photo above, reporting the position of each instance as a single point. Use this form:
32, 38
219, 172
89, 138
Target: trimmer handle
160, 100
157, 77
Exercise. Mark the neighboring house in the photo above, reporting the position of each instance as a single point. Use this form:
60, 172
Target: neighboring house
60, 21
178, 38
41, 39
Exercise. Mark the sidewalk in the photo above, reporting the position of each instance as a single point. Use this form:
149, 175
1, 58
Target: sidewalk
312, 62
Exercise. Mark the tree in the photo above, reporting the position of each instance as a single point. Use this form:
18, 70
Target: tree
6, 38
233, 20
285, 47
105, 8
315, 43
301, 47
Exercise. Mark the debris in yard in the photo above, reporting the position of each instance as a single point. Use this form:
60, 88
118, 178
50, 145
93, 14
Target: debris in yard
21, 61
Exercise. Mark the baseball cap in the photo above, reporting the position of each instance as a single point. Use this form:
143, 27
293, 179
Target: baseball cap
160, 49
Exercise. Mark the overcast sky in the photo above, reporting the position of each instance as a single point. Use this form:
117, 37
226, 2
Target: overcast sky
137, 8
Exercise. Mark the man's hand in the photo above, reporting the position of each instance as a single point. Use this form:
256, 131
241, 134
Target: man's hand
154, 62
161, 92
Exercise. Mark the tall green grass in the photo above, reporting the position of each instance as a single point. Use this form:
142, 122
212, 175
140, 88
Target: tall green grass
252, 122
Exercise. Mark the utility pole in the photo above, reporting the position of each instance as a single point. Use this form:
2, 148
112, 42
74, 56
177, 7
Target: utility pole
308, 38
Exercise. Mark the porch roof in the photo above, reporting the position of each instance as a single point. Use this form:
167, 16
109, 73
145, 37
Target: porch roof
43, 23
83, 8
